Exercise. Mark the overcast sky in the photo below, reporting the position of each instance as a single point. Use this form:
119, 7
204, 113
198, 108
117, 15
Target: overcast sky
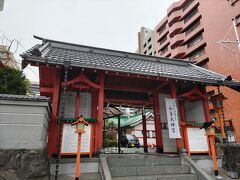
103, 23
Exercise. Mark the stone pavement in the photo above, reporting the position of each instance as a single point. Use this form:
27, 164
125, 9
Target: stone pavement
222, 173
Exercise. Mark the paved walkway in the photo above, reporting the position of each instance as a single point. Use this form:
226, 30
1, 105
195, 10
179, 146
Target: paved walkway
222, 173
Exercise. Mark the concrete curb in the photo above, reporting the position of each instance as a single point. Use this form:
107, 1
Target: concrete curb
104, 169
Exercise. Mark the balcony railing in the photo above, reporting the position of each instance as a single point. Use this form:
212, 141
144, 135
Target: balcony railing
196, 46
193, 19
186, 11
175, 28
176, 40
174, 17
178, 52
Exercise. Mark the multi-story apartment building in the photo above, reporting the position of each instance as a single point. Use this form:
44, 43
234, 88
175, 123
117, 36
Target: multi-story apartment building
146, 41
207, 32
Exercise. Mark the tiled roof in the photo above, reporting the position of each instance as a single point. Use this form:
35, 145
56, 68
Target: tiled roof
55, 52
129, 121
24, 98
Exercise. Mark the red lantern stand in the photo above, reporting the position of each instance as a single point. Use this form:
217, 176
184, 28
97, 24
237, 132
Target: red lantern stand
210, 132
80, 125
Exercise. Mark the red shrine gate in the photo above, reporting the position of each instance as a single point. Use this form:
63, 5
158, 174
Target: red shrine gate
118, 77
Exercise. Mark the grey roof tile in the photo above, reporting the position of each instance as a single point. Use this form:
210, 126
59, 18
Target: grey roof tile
24, 98
104, 59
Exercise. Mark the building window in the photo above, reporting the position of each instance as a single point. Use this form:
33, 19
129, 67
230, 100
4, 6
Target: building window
187, 4
190, 15
149, 47
192, 28
233, 2
195, 41
149, 39
197, 54
150, 54
237, 19
145, 52
163, 40
148, 134
163, 51
162, 30
144, 45
153, 134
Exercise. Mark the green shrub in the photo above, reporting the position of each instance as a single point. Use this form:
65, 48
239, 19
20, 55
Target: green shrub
13, 81
110, 143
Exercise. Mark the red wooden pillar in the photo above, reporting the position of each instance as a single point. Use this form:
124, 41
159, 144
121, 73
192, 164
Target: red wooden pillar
157, 122
206, 108
100, 109
182, 121
174, 95
144, 131
77, 104
53, 127
94, 115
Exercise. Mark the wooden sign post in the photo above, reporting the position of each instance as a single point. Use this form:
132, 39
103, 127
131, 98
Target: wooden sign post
80, 125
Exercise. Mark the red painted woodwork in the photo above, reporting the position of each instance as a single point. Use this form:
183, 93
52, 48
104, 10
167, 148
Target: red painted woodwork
194, 94
128, 102
206, 110
182, 123
77, 104
157, 122
144, 131
100, 109
127, 88
137, 76
81, 78
53, 128
94, 115
46, 89
173, 93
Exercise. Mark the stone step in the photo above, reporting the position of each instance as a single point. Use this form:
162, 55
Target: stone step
70, 168
148, 170
123, 161
160, 177
87, 176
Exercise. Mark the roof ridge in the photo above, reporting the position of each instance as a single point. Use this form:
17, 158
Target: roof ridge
124, 53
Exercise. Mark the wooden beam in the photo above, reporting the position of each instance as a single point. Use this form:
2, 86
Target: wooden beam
46, 90
128, 101
138, 76
53, 128
162, 85
81, 78
128, 88
77, 106
100, 109
157, 122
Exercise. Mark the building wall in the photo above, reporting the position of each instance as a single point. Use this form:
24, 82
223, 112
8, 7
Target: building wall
23, 124
192, 29
151, 135
146, 41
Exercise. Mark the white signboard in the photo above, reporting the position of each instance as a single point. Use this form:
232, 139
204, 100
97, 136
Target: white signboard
197, 140
70, 138
172, 117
